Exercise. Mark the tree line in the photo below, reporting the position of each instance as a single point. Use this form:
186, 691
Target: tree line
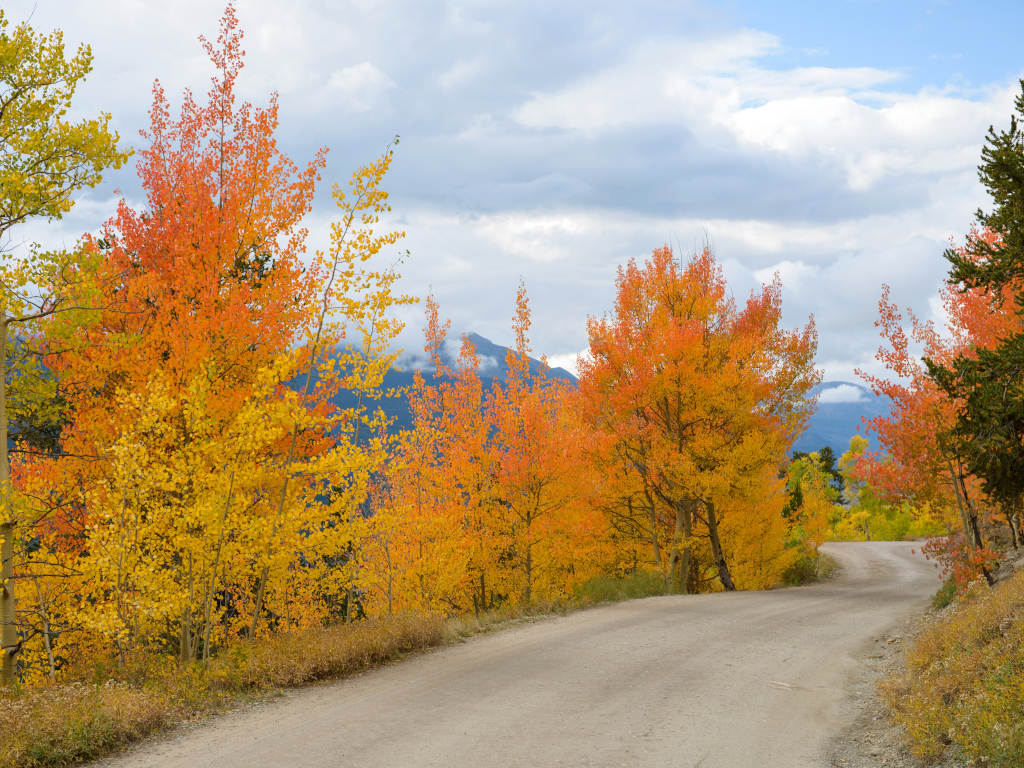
178, 472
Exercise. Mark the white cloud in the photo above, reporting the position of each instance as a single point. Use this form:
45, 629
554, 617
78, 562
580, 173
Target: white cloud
360, 87
488, 365
460, 73
844, 393
919, 133
566, 361
556, 151
671, 81
701, 85
835, 113
795, 275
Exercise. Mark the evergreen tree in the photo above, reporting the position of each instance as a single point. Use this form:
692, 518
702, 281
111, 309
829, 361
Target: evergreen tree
990, 428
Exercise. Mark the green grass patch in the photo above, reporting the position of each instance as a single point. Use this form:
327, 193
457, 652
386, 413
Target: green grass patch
809, 569
611, 589
944, 595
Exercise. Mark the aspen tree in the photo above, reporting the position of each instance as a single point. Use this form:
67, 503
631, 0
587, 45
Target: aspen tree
45, 158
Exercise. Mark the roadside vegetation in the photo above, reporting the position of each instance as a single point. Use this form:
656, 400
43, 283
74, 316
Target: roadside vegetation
108, 707
963, 687
954, 441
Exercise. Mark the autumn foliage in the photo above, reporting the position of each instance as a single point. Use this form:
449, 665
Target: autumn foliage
692, 403
922, 462
218, 475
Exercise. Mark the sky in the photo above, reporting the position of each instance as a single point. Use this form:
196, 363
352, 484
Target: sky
835, 144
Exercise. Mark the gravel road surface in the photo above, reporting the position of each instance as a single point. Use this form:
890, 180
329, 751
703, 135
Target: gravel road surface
758, 679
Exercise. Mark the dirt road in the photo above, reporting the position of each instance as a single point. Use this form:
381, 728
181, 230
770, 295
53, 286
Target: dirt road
734, 680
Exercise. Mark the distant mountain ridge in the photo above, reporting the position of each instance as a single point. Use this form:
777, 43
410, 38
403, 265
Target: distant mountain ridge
492, 357
493, 369
842, 405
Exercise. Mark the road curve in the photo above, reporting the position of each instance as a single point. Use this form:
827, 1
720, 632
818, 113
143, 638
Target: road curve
732, 680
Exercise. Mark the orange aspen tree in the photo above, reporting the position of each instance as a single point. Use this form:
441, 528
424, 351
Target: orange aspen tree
696, 395
196, 473
421, 517
921, 463
537, 455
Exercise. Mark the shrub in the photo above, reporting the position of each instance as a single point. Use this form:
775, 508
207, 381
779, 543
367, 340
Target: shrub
964, 679
945, 594
807, 569
608, 589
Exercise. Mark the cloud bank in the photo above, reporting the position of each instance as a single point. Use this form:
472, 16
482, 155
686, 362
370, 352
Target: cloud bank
552, 143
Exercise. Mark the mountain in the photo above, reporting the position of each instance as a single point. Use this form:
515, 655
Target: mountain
842, 407
492, 361
492, 369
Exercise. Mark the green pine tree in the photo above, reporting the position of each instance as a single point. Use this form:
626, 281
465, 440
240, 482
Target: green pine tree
990, 429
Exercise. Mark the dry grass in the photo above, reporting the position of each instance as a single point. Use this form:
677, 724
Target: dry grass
71, 723
66, 724
288, 660
964, 681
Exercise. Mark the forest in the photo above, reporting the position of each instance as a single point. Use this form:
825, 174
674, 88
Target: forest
179, 480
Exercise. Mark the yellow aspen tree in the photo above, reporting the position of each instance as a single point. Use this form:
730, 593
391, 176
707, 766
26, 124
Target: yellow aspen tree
45, 158
346, 348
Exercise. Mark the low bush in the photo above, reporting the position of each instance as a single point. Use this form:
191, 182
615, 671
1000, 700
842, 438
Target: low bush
964, 679
808, 569
609, 589
944, 595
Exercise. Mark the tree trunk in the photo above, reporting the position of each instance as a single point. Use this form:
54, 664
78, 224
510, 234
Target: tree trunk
653, 514
208, 608
528, 592
716, 550
8, 619
258, 607
1013, 519
187, 646
45, 616
968, 515
8, 624
679, 560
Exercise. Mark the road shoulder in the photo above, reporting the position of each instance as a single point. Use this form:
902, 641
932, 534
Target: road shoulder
873, 739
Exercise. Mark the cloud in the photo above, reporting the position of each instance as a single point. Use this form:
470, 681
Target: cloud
553, 142
460, 73
566, 361
360, 87
697, 83
844, 393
